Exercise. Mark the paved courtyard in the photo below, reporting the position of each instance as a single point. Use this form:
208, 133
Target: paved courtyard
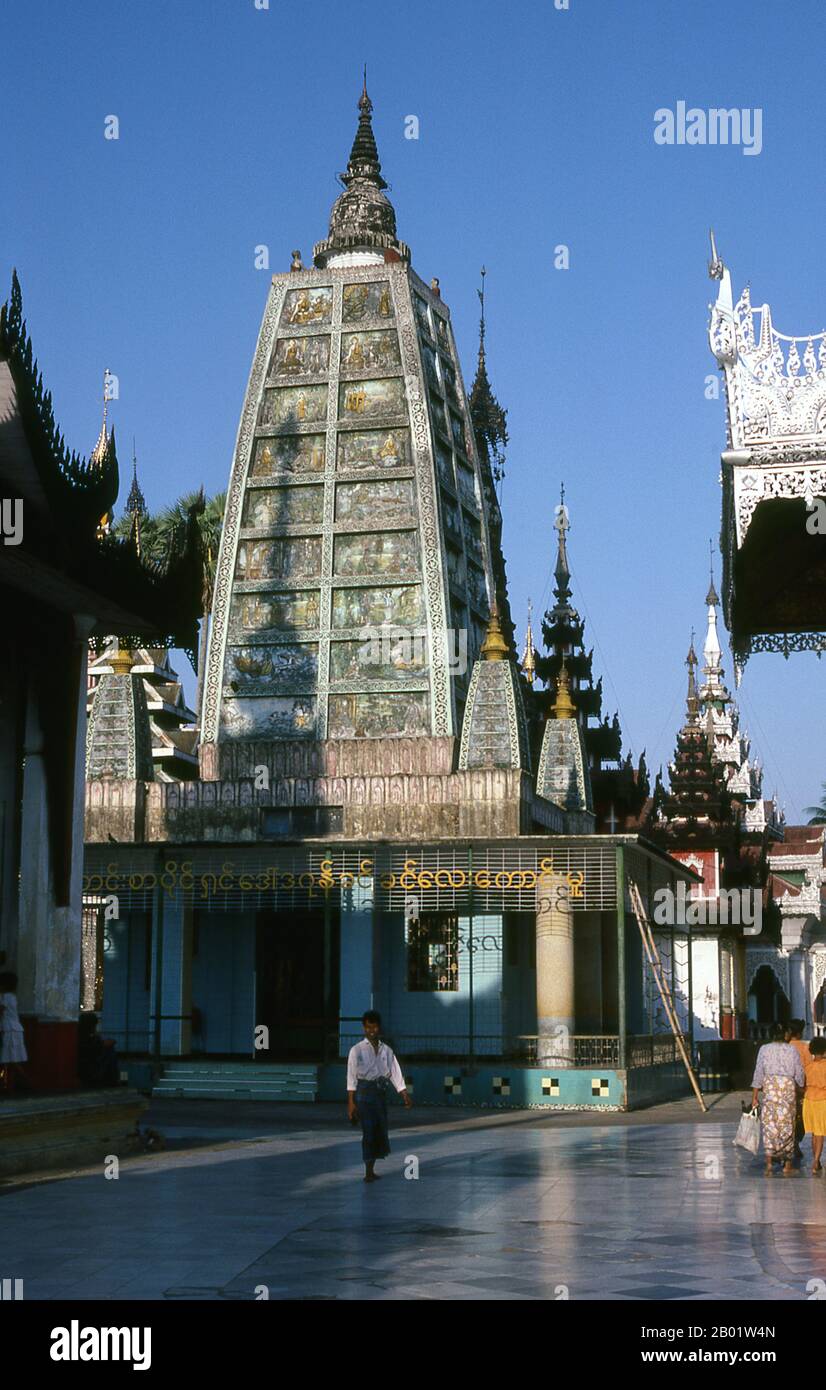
508, 1205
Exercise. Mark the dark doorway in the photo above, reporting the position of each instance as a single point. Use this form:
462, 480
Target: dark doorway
297, 982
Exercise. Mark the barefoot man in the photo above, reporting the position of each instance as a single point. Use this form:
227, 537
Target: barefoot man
371, 1066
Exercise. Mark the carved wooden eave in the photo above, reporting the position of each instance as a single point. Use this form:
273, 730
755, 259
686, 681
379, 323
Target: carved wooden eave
61, 563
773, 470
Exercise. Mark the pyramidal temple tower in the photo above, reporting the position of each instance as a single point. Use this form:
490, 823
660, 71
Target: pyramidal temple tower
355, 578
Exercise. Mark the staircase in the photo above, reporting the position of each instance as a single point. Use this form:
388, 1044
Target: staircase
238, 1081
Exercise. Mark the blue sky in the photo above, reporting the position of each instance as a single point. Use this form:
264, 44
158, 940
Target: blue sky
536, 129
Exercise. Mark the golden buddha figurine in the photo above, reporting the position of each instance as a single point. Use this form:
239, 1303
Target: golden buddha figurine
385, 306
292, 358
389, 452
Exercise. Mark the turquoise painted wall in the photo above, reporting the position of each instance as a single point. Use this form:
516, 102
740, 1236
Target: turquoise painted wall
501, 1086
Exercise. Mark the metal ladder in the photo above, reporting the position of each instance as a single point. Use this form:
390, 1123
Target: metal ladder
653, 955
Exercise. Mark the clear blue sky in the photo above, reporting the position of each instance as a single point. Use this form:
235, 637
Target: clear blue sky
536, 128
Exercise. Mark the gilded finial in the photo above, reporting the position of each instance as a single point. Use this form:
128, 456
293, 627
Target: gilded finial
494, 647
529, 654
121, 661
99, 451
563, 706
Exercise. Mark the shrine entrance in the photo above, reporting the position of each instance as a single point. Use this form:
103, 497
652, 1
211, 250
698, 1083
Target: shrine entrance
297, 982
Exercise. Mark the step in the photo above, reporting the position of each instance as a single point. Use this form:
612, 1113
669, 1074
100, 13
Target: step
212, 1091
240, 1069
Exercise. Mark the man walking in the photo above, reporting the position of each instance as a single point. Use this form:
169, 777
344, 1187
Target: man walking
371, 1067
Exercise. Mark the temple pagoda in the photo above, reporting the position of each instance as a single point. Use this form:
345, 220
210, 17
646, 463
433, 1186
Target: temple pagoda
619, 789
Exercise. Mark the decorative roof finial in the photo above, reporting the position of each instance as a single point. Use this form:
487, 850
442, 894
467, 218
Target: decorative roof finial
716, 268
362, 217
481, 294
99, 451
529, 654
563, 706
692, 702
135, 503
712, 598
562, 571
494, 647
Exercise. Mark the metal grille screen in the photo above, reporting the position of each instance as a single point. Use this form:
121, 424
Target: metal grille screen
494, 878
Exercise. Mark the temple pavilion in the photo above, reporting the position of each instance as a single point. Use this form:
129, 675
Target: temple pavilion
774, 567
388, 811
63, 584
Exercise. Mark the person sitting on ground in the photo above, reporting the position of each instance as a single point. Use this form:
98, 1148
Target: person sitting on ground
97, 1061
778, 1074
814, 1100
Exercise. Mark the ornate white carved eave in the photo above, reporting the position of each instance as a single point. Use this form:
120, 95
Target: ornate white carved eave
775, 388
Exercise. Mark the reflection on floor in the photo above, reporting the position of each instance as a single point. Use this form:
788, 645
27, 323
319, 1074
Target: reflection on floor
506, 1206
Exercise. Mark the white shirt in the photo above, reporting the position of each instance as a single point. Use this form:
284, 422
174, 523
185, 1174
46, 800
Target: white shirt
364, 1063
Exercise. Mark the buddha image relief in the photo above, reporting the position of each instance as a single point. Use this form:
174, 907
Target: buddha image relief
270, 718
296, 557
366, 301
372, 449
264, 613
394, 552
307, 306
267, 507
361, 351
376, 716
300, 357
300, 453
388, 654
295, 405
267, 670
371, 607
381, 500
366, 398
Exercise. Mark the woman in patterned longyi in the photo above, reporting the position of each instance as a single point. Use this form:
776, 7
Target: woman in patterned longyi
779, 1075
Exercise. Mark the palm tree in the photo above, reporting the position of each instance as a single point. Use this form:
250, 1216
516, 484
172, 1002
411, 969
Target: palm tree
210, 522
157, 534
817, 813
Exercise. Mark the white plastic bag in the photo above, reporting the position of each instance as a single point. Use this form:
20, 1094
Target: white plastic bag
748, 1131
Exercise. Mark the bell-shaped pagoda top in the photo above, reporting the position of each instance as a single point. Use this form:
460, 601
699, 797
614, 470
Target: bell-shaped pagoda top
362, 217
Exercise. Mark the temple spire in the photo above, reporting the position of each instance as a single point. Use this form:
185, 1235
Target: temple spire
135, 504
692, 702
362, 217
529, 654
364, 160
99, 452
562, 572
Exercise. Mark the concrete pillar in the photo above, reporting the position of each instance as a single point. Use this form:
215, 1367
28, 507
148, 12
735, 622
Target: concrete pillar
801, 1007
555, 1007
588, 955
356, 978
170, 992
48, 944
